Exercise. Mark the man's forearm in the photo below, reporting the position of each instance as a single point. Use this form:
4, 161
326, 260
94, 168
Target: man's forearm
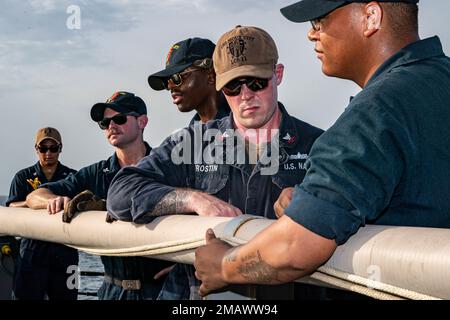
177, 201
39, 198
18, 204
281, 253
251, 268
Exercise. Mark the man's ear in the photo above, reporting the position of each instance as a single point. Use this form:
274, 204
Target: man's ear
373, 18
142, 121
279, 71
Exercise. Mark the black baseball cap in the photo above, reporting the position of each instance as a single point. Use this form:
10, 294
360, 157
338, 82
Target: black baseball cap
182, 55
121, 101
308, 10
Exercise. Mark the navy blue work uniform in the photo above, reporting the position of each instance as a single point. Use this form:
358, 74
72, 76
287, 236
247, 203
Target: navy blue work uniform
126, 278
135, 191
181, 283
386, 160
42, 266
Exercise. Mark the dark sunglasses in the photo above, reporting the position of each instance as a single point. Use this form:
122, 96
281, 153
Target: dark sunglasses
52, 149
119, 119
233, 88
317, 23
177, 78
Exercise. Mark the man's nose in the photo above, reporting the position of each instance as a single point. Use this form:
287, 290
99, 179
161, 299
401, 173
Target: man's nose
246, 93
313, 35
170, 85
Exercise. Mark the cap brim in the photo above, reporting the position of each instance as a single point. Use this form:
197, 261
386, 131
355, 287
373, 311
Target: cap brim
98, 110
308, 10
259, 71
156, 80
47, 138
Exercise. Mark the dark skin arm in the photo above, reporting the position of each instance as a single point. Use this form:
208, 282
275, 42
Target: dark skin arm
267, 259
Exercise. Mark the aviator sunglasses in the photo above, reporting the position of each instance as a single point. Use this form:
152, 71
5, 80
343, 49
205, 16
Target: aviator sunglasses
233, 88
177, 78
119, 119
52, 149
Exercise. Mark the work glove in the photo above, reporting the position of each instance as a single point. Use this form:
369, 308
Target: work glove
84, 201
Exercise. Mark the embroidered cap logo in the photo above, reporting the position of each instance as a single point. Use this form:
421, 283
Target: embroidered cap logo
237, 47
169, 55
114, 97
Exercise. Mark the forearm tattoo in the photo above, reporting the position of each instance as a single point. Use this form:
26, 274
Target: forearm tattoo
255, 269
172, 203
232, 256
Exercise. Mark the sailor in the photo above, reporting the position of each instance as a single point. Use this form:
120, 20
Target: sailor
385, 161
122, 119
252, 146
41, 271
189, 76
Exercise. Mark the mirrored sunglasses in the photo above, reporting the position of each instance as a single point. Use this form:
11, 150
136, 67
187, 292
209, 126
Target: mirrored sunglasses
177, 78
233, 88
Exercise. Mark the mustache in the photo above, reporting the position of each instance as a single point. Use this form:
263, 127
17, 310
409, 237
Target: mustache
113, 131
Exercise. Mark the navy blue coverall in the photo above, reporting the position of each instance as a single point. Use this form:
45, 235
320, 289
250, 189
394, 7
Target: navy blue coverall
42, 266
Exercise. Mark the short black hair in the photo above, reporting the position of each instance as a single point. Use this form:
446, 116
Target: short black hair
402, 16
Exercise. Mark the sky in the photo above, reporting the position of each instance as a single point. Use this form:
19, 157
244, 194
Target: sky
54, 66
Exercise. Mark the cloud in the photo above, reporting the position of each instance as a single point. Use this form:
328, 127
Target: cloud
217, 6
35, 39
42, 6
34, 31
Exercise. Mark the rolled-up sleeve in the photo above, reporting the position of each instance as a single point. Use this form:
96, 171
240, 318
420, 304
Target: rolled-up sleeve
70, 186
354, 169
135, 191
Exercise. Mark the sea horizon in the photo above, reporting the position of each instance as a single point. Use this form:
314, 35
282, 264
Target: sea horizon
3, 200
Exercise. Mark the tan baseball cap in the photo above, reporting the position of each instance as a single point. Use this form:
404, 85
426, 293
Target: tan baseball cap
48, 133
244, 51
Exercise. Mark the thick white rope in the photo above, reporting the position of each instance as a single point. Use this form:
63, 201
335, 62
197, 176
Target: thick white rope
370, 287
90, 228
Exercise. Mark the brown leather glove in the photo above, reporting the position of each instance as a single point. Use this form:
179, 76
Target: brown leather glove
84, 201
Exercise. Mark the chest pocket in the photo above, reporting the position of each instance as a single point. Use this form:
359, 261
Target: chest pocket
290, 174
210, 178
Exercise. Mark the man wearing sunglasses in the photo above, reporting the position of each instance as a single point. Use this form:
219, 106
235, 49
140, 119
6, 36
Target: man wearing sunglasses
385, 161
248, 73
41, 270
122, 118
190, 78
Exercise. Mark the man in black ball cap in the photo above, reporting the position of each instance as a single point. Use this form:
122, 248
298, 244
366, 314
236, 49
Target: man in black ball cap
384, 161
189, 76
122, 118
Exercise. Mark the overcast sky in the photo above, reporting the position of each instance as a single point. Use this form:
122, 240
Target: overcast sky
51, 75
